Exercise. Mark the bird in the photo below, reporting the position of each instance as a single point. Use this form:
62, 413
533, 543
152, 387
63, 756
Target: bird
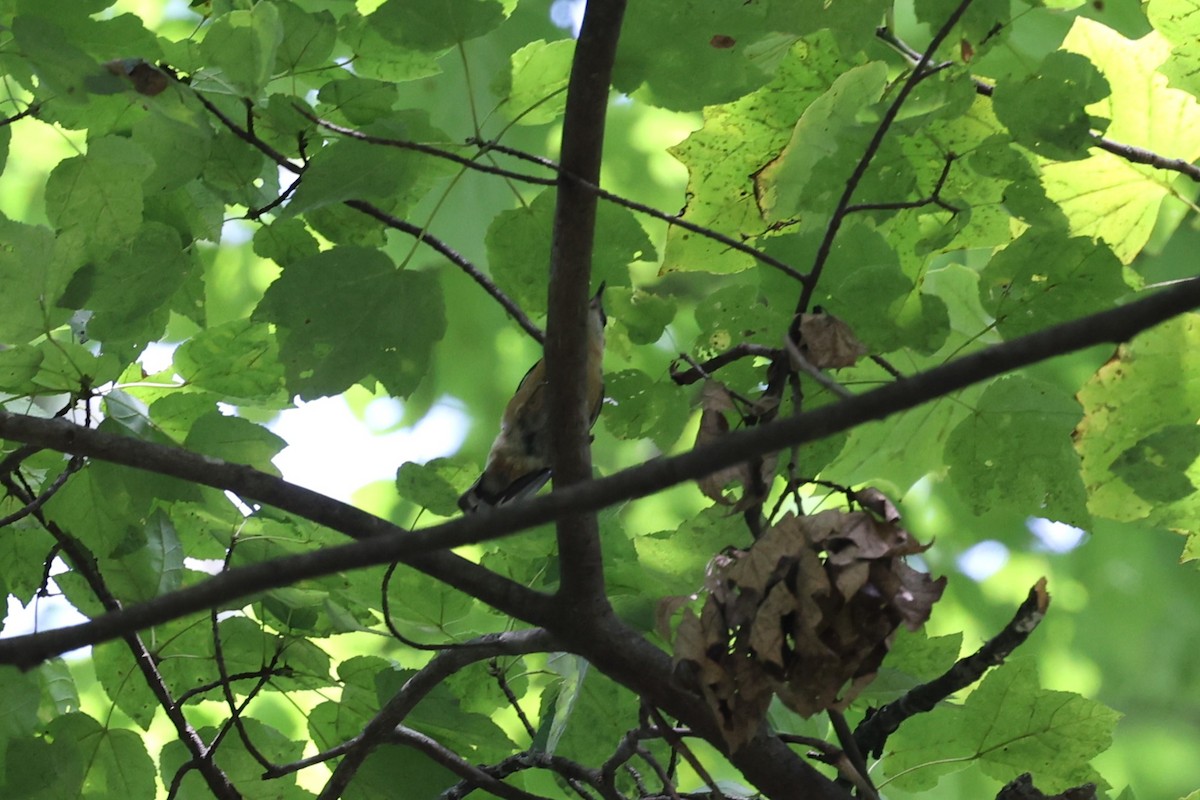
519, 462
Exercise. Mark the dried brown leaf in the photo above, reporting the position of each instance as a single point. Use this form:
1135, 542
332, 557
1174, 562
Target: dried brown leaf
917, 595
829, 343
768, 631
665, 609
876, 501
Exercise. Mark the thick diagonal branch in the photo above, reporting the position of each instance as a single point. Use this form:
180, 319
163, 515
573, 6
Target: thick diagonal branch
582, 587
418, 548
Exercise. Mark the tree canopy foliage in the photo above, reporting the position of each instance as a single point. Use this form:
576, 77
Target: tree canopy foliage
895, 292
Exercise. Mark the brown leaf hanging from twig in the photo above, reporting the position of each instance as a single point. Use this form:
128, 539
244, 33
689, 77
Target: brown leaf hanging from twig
753, 476
828, 343
806, 613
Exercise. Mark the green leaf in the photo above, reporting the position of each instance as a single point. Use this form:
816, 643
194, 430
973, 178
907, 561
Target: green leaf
736, 141
148, 563
242, 46
1044, 278
1138, 409
1176, 20
308, 37
18, 366
354, 170
63, 68
431, 25
434, 485
116, 761
1014, 450
100, 194
641, 407
179, 148
360, 100
348, 313
35, 268
60, 694
239, 765
815, 163
24, 780
707, 60
1106, 196
644, 315
124, 683
18, 703
599, 713
135, 281
921, 657
518, 243
239, 359
1045, 109
536, 86
236, 440
1009, 725
736, 314
284, 241
674, 562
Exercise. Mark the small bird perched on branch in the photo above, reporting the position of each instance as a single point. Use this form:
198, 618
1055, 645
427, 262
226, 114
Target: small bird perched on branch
519, 461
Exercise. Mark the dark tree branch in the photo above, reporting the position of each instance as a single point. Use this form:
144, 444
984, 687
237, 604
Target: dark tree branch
497, 672
35, 503
933, 198
679, 746
415, 231
872, 732
650, 211
84, 563
453, 762
704, 371
419, 685
575, 774
256, 675
32, 109
581, 591
455, 258
918, 74
235, 709
384, 543
425, 149
1135, 155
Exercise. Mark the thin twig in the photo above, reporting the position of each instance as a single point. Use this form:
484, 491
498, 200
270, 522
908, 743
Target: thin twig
83, 562
703, 371
382, 543
918, 74
650, 211
851, 765
446, 757
676, 741
415, 231
799, 361
73, 466
872, 732
497, 672
1131, 153
32, 109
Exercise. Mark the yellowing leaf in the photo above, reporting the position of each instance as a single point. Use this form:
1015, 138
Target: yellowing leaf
1107, 196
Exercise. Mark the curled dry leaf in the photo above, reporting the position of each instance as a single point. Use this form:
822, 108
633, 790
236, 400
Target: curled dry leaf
806, 613
754, 477
828, 343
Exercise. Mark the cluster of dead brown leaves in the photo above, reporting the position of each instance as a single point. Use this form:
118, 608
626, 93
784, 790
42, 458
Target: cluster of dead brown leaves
807, 613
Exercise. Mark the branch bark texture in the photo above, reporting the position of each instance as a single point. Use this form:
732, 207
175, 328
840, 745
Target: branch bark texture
384, 543
582, 583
